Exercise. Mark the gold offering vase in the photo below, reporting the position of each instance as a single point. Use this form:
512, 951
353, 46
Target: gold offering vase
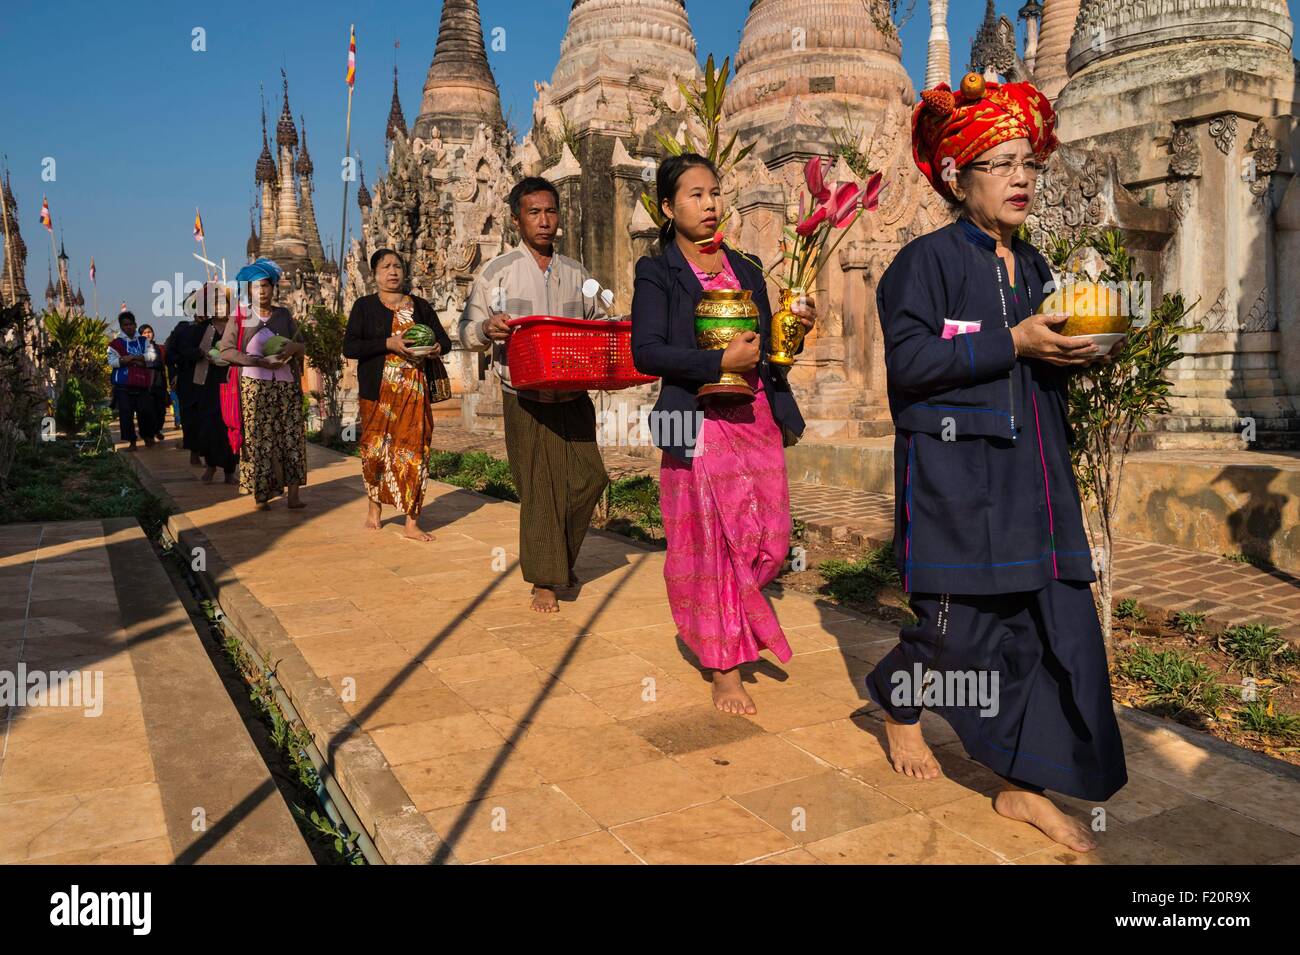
787, 329
721, 316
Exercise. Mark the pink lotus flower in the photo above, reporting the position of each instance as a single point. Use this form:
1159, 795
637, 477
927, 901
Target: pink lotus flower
814, 174
709, 246
844, 206
809, 225
871, 196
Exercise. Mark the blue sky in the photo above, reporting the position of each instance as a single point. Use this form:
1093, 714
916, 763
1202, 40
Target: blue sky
143, 128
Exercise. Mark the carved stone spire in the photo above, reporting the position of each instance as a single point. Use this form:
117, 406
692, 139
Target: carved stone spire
251, 247
847, 56
938, 66
642, 35
363, 194
310, 232
460, 91
1032, 14
265, 177
396, 121
13, 287
1059, 17
290, 246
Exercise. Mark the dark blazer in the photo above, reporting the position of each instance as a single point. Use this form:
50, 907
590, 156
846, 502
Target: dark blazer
663, 343
370, 325
986, 501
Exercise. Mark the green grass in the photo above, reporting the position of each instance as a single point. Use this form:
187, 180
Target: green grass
637, 500
1174, 681
1256, 649
68, 480
474, 470
860, 580
1258, 717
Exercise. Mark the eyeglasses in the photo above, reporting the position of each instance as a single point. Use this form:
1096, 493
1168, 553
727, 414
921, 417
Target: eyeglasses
1004, 167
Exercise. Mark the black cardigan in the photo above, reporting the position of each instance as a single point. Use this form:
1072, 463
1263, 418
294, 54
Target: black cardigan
370, 325
663, 343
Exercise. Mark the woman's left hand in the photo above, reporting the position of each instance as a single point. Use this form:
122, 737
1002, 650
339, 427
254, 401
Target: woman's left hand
806, 309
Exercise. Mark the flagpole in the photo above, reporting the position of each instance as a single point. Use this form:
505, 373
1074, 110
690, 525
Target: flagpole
347, 153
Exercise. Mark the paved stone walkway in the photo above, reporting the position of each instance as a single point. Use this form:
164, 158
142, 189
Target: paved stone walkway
463, 727
1162, 579
154, 765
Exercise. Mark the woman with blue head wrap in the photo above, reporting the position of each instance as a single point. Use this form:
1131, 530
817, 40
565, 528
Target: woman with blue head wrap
273, 458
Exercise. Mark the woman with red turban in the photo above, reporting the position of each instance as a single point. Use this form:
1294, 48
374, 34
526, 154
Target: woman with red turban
988, 525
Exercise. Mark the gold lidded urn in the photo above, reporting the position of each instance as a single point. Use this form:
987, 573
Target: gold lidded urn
721, 315
787, 329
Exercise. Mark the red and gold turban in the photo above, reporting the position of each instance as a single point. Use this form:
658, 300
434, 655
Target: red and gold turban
960, 126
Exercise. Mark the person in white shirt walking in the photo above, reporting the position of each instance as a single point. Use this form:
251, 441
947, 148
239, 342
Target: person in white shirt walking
550, 435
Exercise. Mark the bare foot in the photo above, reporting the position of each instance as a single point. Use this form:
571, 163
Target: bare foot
729, 694
207, 475
1040, 812
413, 531
908, 751
373, 513
296, 504
544, 600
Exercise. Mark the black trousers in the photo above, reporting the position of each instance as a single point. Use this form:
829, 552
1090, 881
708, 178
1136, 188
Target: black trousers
1021, 678
135, 405
161, 402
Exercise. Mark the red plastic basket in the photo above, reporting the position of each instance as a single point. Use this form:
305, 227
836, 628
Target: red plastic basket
571, 354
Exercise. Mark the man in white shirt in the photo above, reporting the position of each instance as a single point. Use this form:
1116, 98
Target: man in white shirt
550, 435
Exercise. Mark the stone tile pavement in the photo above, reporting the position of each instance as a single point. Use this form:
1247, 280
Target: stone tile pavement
145, 735
465, 728
1161, 578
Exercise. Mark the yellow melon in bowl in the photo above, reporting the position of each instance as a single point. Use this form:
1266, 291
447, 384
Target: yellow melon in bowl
1091, 308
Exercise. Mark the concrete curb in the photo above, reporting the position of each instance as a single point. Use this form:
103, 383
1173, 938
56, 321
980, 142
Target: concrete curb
400, 832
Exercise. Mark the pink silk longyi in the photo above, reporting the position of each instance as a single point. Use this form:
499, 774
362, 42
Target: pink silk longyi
727, 523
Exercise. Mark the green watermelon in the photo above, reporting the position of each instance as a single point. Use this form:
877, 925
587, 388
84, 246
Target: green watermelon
274, 345
418, 336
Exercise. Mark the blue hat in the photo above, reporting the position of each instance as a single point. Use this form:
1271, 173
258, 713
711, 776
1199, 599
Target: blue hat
258, 270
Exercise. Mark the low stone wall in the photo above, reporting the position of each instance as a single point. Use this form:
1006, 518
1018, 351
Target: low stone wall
1213, 502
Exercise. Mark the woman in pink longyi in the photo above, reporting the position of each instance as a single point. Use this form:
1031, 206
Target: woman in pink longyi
722, 483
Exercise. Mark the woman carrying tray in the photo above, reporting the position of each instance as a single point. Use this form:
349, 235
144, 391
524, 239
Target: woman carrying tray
396, 411
724, 495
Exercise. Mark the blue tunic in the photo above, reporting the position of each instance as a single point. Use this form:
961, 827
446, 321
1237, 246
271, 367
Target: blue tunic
985, 496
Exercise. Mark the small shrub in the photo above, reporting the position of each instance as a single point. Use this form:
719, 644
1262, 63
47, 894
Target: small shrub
1256, 648
1174, 681
1185, 621
1130, 609
1259, 717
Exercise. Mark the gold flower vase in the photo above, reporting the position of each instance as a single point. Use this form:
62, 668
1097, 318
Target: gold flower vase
787, 329
721, 316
